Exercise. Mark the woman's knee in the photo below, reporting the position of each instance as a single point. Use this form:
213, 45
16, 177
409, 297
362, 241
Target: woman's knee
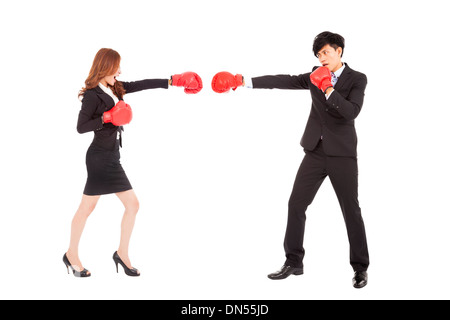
132, 206
129, 201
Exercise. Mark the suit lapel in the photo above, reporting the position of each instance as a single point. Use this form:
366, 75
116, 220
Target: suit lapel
109, 102
346, 74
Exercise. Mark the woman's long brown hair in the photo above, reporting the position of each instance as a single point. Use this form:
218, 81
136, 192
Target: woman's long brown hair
106, 63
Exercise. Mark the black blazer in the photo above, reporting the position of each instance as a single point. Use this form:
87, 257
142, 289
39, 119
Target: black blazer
332, 119
95, 102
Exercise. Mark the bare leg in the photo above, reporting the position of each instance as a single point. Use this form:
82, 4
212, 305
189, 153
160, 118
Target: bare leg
131, 205
87, 205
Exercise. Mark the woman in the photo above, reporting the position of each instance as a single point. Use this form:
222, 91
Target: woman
104, 112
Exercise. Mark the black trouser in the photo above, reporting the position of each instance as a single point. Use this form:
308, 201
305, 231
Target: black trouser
343, 173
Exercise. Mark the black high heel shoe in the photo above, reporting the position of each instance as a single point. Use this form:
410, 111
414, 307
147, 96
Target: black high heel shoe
129, 272
78, 274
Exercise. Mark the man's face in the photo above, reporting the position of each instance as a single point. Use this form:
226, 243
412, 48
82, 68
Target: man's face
330, 58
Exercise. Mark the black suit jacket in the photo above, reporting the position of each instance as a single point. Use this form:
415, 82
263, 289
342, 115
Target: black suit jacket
95, 102
332, 119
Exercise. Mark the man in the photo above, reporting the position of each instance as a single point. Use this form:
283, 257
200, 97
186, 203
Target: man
330, 144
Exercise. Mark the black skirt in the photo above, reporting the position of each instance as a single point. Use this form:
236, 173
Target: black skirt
105, 173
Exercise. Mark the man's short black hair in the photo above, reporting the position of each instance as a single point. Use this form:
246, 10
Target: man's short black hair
333, 39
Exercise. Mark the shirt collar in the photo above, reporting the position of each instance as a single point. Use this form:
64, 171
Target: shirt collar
105, 89
340, 70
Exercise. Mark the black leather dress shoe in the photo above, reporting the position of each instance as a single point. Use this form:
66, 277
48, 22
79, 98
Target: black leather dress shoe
360, 279
285, 272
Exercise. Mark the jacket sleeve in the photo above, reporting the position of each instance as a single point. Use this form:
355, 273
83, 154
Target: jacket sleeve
349, 108
140, 85
282, 82
86, 122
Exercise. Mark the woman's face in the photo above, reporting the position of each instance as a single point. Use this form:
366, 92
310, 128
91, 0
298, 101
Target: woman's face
111, 80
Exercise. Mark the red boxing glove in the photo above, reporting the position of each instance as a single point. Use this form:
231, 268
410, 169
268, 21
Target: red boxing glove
119, 115
321, 78
224, 81
191, 82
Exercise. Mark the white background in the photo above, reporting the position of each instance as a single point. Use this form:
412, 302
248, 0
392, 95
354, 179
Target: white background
214, 173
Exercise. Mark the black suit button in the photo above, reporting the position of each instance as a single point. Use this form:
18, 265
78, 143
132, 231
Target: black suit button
326, 109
